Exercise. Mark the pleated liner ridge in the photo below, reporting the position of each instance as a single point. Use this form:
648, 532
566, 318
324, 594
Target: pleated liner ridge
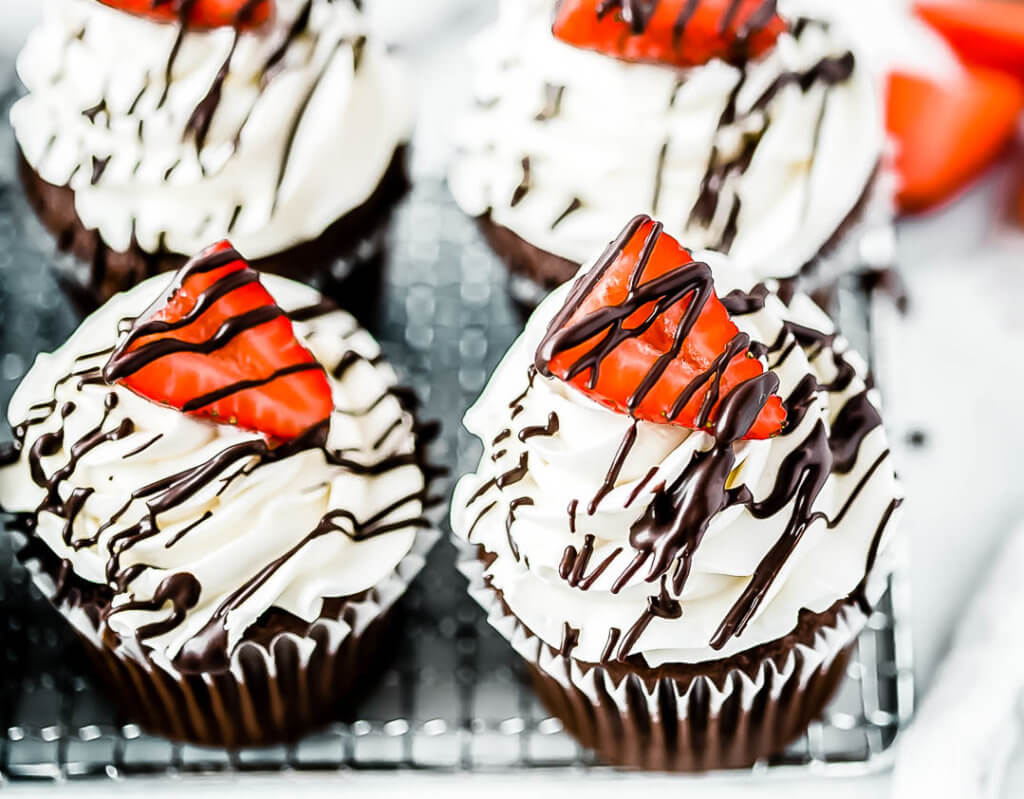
277, 687
743, 709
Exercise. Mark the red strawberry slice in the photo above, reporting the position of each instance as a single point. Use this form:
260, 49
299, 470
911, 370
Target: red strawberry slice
199, 14
620, 327
680, 33
217, 345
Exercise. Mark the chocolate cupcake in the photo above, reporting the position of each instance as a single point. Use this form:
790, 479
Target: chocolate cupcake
151, 129
223, 492
682, 514
750, 133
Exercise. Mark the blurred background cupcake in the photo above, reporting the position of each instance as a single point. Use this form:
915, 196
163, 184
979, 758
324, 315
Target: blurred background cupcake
151, 130
224, 494
681, 524
757, 134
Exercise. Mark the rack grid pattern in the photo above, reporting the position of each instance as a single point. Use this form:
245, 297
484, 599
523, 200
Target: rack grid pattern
456, 697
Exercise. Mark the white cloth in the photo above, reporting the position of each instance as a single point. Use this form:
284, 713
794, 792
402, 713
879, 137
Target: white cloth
969, 725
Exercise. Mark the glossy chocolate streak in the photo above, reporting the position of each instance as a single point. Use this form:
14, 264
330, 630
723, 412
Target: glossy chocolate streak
202, 116
830, 70
671, 529
612, 477
573, 566
524, 185
741, 303
181, 589
293, 131
574, 205
203, 400
128, 358
297, 28
570, 640
546, 431
510, 520
183, 8
661, 606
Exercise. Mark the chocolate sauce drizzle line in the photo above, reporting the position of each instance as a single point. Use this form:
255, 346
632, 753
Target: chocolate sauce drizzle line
639, 13
524, 185
201, 117
831, 70
691, 280
552, 102
675, 522
574, 564
293, 130
169, 492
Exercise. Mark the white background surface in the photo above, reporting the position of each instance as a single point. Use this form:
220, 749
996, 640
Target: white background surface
958, 378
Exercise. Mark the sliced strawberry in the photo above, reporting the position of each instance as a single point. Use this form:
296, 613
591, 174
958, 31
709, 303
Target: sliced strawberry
680, 33
217, 345
618, 327
948, 131
985, 32
200, 14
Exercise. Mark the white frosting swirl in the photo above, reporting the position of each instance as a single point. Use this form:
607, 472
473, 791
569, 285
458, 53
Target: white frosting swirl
570, 466
630, 138
288, 152
230, 530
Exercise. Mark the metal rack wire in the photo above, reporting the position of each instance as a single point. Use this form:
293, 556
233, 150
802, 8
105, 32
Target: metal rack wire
456, 697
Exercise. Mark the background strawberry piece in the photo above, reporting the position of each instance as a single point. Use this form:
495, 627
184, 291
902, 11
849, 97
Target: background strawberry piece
283, 408
627, 366
947, 132
985, 32
204, 14
579, 23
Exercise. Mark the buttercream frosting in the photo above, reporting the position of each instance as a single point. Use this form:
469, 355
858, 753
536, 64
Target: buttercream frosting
561, 545
564, 143
244, 542
304, 116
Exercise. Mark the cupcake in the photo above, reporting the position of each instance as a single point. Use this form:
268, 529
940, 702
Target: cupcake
151, 129
682, 513
223, 488
754, 133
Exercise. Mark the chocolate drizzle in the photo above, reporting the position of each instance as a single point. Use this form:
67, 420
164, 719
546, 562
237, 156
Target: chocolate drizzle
552, 102
179, 590
669, 533
524, 185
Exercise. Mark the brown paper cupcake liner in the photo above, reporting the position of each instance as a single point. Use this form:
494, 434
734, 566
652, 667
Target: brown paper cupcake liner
724, 714
284, 678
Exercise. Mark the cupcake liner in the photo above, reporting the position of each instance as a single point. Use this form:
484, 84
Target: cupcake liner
277, 686
718, 715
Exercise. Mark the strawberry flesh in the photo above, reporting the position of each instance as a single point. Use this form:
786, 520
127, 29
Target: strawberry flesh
199, 14
628, 365
678, 33
236, 362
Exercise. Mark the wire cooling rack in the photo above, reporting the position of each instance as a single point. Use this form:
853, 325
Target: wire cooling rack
456, 697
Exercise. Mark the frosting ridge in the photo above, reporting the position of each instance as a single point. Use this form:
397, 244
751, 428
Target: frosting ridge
806, 513
199, 528
266, 135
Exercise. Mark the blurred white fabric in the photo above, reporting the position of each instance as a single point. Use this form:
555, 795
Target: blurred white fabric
968, 725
